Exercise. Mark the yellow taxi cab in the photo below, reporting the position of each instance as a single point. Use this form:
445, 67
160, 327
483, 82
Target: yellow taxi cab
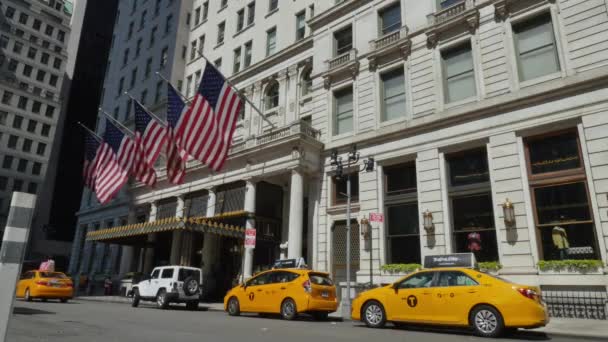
453, 296
285, 291
45, 285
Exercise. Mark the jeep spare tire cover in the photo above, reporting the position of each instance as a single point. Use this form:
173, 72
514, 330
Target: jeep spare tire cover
190, 286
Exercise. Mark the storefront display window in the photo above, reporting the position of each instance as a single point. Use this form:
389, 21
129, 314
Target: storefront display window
562, 209
473, 225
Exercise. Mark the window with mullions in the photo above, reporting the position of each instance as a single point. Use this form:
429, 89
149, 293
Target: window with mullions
339, 189
562, 210
536, 47
343, 111
470, 195
271, 98
403, 234
459, 73
343, 41
393, 94
390, 19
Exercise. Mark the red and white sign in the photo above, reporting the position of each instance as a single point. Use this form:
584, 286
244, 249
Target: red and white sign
376, 217
250, 237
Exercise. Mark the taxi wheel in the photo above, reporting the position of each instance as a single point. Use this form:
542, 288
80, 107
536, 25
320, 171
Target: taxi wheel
374, 315
135, 298
27, 296
288, 309
161, 299
487, 321
234, 309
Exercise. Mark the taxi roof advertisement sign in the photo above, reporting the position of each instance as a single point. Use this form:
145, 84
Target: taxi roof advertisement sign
450, 260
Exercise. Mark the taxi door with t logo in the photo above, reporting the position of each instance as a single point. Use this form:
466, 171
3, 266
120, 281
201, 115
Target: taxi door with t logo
412, 300
455, 293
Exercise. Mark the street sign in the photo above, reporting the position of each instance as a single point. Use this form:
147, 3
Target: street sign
376, 217
250, 237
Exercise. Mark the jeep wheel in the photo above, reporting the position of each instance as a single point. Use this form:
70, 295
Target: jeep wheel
234, 309
161, 299
191, 286
192, 305
135, 299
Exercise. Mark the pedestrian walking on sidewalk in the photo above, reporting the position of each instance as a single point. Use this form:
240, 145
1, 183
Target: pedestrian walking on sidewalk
107, 286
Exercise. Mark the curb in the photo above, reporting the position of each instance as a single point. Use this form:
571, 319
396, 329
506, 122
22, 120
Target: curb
583, 336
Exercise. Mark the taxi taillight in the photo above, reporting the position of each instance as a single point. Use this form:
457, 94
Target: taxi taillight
42, 282
528, 293
307, 287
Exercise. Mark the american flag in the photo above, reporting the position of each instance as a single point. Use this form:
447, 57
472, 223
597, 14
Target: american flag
205, 130
176, 166
116, 157
91, 147
150, 135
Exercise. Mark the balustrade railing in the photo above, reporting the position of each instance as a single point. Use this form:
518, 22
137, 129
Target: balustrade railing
342, 59
388, 38
450, 12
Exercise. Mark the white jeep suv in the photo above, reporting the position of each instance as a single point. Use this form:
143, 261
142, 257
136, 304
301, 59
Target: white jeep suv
170, 284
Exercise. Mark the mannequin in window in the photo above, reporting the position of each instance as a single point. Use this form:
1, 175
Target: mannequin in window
560, 241
474, 242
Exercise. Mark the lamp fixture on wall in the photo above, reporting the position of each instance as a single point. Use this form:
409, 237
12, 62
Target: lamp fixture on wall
509, 212
366, 228
427, 221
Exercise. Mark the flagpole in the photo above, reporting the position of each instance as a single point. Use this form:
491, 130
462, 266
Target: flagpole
239, 92
177, 91
115, 121
147, 111
97, 137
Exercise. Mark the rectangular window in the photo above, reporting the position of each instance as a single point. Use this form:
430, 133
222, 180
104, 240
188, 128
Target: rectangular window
197, 16
201, 44
343, 41
273, 5
390, 19
271, 41
205, 10
220, 32
300, 25
27, 70
57, 63
240, 20
459, 73
562, 209
17, 184
125, 57
164, 57
22, 165
197, 78
128, 109
193, 50
168, 23
3, 182
142, 21
46, 130
32, 188
137, 48
44, 59
237, 60
156, 8
343, 109
144, 97
10, 12
27, 145
3, 116
400, 180
153, 36
12, 65
339, 189
36, 105
36, 168
536, 48
40, 76
18, 47
148, 69
471, 204
23, 19
251, 13
12, 141
247, 59
121, 84
31, 126
37, 24
7, 97
188, 85
50, 111
3, 41
22, 104
393, 95
53, 80
7, 163
130, 32
403, 233
31, 53
60, 36
158, 92
133, 78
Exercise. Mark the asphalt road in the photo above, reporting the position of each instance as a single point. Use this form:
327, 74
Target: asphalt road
94, 321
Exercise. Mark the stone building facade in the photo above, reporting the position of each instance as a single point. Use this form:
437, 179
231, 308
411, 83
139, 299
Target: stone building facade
466, 107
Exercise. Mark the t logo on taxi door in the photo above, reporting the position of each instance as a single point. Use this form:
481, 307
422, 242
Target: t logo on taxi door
251, 296
412, 301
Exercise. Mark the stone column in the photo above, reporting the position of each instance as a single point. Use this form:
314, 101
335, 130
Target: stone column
283, 80
126, 259
110, 266
77, 252
209, 247
258, 97
149, 257
292, 95
284, 224
176, 242
296, 210
250, 208
87, 253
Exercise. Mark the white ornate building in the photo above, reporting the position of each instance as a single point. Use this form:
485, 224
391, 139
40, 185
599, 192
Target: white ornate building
463, 105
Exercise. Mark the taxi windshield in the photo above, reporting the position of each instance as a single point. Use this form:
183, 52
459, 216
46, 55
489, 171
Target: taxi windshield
52, 275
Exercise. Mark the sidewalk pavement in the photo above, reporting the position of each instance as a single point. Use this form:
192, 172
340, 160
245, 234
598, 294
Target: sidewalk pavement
590, 328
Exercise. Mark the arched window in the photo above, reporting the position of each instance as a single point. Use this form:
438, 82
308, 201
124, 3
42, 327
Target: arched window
306, 82
271, 98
